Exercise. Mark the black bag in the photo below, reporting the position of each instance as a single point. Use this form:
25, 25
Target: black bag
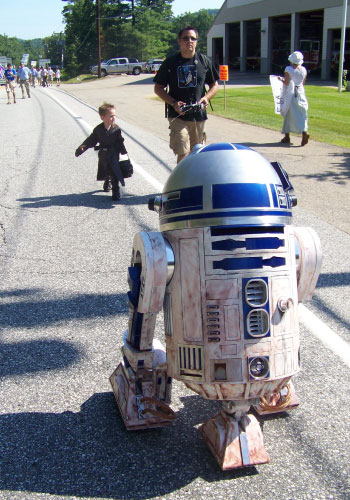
126, 168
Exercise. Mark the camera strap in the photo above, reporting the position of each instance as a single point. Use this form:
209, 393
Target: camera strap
205, 62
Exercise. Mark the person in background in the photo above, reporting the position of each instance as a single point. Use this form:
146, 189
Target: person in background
50, 74
58, 77
38, 76
10, 77
23, 76
296, 119
33, 76
111, 141
186, 74
43, 74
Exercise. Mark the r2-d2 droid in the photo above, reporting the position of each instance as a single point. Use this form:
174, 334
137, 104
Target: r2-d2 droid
229, 270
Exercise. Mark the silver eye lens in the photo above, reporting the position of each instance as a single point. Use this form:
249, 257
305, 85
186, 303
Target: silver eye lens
259, 367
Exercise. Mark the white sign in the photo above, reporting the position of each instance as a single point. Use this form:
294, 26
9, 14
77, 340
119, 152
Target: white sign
43, 62
25, 58
282, 95
33, 63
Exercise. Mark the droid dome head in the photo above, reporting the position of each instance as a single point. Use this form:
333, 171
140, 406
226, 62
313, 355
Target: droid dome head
225, 184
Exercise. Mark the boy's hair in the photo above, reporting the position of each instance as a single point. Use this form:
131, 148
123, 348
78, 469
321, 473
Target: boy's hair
188, 28
106, 106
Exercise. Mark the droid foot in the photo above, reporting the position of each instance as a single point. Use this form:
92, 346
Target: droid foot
139, 411
284, 400
235, 442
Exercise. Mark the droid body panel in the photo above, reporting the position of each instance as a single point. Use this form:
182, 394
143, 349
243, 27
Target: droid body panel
226, 335
228, 269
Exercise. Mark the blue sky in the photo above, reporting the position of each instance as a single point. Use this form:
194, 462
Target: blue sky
39, 18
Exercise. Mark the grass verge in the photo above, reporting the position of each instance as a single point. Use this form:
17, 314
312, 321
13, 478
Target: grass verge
80, 79
328, 111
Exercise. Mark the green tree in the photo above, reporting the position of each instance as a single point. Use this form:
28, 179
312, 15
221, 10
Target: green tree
54, 47
136, 28
158, 34
201, 20
12, 47
80, 35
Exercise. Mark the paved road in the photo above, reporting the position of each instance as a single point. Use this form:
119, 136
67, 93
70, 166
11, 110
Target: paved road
320, 172
64, 250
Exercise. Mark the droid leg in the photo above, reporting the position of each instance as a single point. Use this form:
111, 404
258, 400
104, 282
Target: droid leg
235, 438
140, 383
142, 388
284, 400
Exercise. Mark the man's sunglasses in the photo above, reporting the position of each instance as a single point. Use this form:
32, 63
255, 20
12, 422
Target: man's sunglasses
188, 38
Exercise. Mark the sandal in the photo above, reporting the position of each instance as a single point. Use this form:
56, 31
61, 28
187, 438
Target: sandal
305, 139
285, 140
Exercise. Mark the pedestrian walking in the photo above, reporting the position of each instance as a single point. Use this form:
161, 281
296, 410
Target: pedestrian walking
181, 81
43, 75
296, 119
50, 74
38, 76
33, 76
23, 75
58, 77
111, 145
10, 78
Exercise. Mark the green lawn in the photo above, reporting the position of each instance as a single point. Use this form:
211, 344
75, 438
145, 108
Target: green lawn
329, 111
80, 78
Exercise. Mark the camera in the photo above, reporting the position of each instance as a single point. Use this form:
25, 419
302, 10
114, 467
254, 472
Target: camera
186, 108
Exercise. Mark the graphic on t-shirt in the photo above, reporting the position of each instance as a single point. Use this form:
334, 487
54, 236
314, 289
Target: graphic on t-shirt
187, 76
10, 74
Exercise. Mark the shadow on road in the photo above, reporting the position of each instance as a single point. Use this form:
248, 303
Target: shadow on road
339, 172
276, 144
144, 81
89, 200
40, 312
90, 453
32, 356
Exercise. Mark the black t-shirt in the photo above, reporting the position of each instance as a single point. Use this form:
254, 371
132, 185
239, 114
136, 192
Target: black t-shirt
186, 79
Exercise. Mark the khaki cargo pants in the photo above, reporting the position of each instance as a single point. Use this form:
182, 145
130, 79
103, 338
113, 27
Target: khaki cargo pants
184, 135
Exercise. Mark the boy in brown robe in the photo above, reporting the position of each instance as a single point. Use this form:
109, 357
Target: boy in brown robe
111, 145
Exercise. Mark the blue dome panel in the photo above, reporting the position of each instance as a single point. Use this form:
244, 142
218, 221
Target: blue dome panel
240, 195
222, 146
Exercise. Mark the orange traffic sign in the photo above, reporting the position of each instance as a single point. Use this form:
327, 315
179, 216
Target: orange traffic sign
223, 70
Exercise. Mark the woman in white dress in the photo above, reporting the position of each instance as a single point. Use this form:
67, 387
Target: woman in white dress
296, 118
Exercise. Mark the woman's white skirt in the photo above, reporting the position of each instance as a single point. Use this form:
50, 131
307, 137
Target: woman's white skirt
296, 118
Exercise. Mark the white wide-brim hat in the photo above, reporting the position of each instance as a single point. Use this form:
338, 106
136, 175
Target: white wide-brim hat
296, 58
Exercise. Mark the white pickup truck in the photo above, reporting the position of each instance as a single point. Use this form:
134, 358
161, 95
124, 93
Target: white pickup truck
118, 65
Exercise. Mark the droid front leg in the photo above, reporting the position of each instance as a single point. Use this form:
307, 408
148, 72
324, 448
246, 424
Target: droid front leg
140, 383
234, 437
142, 387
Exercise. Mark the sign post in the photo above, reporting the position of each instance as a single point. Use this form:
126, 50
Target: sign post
24, 59
223, 70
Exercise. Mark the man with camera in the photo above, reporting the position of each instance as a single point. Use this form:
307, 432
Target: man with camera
180, 83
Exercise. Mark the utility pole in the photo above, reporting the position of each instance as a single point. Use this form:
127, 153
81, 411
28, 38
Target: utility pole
98, 22
342, 47
133, 12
